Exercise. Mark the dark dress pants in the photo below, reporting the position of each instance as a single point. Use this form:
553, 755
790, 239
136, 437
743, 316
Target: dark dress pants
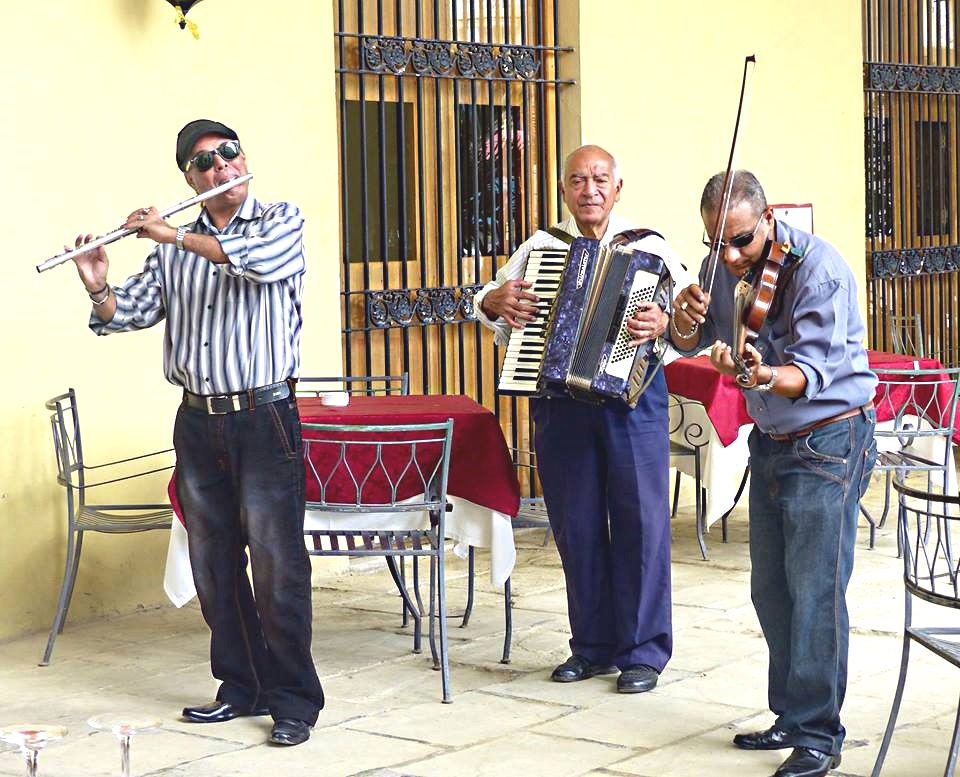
240, 482
804, 503
605, 477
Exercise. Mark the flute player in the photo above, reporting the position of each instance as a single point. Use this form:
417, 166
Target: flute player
229, 286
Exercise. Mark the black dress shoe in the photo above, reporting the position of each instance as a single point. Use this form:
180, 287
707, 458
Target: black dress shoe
287, 731
578, 668
772, 738
804, 762
218, 711
637, 679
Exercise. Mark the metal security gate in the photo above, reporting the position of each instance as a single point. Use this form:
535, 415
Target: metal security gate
912, 151
449, 155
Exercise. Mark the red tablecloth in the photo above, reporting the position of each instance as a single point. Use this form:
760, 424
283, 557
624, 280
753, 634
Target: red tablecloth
481, 470
695, 378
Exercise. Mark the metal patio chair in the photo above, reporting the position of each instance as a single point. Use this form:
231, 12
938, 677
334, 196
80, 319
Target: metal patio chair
928, 526
365, 386
388, 475
693, 437
83, 515
906, 334
916, 412
356, 385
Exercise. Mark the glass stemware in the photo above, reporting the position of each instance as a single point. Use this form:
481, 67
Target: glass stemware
31, 738
123, 726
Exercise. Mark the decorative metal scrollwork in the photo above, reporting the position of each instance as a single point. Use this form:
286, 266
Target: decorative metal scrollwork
915, 261
402, 307
912, 78
387, 54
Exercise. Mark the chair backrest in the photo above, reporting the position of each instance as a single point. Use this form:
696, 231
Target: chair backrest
906, 334
929, 525
67, 446
363, 468
357, 385
919, 403
688, 422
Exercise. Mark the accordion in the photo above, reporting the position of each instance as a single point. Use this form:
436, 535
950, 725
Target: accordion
577, 347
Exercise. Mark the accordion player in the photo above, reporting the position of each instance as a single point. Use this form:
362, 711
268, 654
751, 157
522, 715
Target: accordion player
578, 346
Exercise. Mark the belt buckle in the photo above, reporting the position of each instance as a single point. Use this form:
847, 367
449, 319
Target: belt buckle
234, 401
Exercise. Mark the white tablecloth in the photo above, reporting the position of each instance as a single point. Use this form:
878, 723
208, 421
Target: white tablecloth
467, 524
721, 468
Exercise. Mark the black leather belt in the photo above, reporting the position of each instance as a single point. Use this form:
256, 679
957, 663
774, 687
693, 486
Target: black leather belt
221, 404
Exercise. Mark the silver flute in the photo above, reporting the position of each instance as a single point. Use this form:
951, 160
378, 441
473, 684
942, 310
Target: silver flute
122, 232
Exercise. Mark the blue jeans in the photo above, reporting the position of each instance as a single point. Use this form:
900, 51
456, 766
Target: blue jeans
240, 482
804, 503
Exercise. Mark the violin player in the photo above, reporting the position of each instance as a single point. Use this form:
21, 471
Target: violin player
809, 390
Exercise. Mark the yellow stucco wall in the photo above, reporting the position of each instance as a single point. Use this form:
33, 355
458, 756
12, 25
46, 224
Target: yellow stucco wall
658, 87
93, 96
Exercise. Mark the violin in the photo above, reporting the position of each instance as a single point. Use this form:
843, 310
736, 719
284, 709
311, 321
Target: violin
757, 295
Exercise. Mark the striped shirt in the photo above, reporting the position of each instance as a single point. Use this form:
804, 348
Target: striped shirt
230, 327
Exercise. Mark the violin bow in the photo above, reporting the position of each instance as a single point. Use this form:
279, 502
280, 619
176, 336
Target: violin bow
748, 64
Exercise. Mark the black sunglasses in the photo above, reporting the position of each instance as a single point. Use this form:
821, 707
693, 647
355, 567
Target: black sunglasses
737, 241
229, 149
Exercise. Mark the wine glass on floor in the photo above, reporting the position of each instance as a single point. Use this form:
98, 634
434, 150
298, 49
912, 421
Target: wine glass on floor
31, 738
123, 726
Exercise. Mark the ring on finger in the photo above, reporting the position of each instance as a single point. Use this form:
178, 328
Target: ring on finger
684, 305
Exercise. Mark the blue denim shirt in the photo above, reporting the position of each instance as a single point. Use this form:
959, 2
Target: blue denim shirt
818, 329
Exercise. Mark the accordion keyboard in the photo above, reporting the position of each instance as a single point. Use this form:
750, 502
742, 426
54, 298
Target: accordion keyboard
524, 354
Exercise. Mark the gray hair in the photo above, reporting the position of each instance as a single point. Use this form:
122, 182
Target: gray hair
745, 189
613, 161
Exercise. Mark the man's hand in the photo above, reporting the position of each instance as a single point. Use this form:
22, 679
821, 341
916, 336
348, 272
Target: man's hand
690, 308
91, 266
721, 357
647, 323
511, 303
148, 224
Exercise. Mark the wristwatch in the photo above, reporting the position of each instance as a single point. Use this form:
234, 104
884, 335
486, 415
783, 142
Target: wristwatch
769, 384
181, 234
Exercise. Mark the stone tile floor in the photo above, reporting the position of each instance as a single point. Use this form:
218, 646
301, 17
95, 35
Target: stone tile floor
384, 717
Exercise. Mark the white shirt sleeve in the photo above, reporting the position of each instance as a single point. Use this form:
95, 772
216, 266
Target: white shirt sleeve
514, 268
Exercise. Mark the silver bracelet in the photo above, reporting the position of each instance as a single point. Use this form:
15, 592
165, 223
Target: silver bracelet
756, 385
98, 302
678, 333
769, 384
181, 234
